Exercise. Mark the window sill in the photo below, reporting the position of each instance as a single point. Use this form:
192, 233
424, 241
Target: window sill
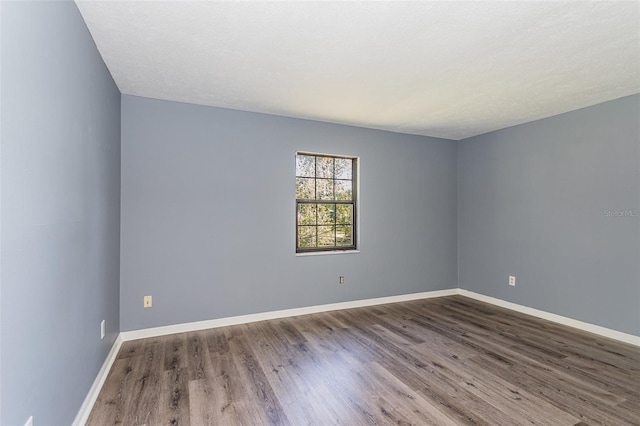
325, 253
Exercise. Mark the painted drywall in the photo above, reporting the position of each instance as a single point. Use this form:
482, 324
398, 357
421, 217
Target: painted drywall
556, 203
208, 214
60, 212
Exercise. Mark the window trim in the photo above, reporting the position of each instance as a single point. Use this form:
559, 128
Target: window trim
355, 172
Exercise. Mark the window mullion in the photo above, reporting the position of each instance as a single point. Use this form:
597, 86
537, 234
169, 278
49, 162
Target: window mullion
315, 186
335, 212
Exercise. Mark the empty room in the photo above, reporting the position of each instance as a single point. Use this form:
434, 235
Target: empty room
319, 213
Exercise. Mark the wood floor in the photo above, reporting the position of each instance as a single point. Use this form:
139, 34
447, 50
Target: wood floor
450, 360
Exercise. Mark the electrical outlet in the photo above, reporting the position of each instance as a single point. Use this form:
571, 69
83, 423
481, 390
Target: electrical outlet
341, 280
512, 280
103, 329
29, 422
148, 302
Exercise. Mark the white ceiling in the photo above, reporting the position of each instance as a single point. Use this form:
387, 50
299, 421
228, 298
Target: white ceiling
445, 69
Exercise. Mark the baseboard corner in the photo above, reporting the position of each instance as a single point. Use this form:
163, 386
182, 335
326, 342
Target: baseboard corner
92, 395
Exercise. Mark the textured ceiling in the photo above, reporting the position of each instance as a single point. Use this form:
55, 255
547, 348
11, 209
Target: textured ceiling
444, 69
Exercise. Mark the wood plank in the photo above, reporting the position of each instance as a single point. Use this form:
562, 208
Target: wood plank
145, 395
258, 401
175, 352
131, 349
211, 400
174, 398
113, 400
281, 363
198, 360
216, 340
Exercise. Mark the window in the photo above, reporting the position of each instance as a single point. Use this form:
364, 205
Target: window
325, 203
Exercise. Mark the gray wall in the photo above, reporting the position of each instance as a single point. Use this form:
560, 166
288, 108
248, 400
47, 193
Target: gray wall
533, 202
208, 214
60, 212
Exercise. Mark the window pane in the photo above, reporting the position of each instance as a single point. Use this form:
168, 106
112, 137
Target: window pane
324, 167
343, 168
344, 214
306, 236
326, 214
323, 182
344, 236
305, 188
306, 214
326, 236
343, 190
305, 165
325, 189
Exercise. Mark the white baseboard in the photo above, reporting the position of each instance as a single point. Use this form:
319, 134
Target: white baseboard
585, 326
85, 410
92, 396
243, 319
